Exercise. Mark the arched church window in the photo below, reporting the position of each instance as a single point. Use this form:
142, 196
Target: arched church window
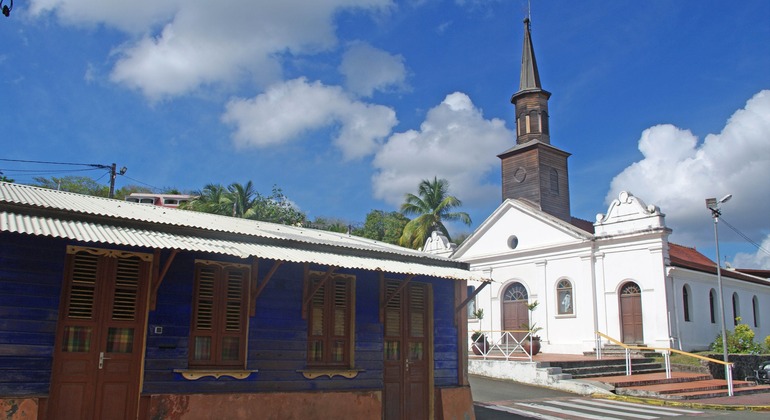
565, 297
686, 302
544, 122
516, 291
712, 307
554, 181
736, 308
630, 288
522, 124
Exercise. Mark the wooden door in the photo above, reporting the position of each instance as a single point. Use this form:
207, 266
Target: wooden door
631, 313
515, 311
408, 355
99, 347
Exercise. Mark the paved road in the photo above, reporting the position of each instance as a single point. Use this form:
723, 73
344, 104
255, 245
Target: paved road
504, 400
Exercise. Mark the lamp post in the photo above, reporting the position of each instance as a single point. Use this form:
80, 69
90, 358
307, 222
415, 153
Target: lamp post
713, 205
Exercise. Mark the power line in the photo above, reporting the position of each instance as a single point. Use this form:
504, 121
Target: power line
95, 165
744, 236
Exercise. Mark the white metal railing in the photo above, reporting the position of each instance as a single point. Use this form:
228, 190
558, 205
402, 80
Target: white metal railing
491, 344
666, 358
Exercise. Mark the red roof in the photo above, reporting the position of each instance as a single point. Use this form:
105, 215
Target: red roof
686, 257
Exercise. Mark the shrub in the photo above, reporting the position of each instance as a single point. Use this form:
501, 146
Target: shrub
741, 340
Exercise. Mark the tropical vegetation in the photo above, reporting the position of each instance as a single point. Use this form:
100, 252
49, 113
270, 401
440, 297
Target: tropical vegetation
432, 206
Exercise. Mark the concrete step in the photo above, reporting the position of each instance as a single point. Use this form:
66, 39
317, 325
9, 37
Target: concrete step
614, 350
607, 367
682, 385
692, 390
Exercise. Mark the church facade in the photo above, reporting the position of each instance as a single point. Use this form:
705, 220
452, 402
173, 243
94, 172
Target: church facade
618, 275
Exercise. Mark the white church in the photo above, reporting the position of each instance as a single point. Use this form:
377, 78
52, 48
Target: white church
618, 275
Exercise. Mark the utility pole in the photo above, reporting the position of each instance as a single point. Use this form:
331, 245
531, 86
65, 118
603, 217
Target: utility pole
113, 174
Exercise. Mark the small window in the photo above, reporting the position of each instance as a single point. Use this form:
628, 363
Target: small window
170, 201
219, 330
755, 307
686, 302
471, 303
565, 297
544, 121
736, 309
712, 305
554, 182
330, 319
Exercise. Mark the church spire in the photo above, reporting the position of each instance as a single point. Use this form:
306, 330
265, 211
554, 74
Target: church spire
531, 101
530, 78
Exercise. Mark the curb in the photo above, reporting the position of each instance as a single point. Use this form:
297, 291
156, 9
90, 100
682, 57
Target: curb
674, 403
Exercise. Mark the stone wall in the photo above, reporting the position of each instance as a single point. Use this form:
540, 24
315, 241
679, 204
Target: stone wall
743, 365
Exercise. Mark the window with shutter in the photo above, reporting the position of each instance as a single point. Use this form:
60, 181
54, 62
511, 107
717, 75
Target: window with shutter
219, 330
330, 320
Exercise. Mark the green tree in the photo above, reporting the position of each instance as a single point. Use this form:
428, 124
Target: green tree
383, 226
211, 199
75, 184
432, 205
242, 199
330, 224
276, 208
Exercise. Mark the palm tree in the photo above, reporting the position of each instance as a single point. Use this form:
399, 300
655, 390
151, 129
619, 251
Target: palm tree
241, 198
432, 206
211, 199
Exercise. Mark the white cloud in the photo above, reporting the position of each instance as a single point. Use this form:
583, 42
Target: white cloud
760, 259
678, 174
289, 109
367, 69
192, 43
129, 16
454, 142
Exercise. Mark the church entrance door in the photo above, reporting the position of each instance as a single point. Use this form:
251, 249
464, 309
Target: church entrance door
631, 313
515, 312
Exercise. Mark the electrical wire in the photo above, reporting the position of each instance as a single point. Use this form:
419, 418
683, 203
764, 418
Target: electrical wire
741, 234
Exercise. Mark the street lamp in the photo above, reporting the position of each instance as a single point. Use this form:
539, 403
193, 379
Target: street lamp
713, 205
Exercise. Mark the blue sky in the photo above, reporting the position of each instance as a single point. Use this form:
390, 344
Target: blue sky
347, 104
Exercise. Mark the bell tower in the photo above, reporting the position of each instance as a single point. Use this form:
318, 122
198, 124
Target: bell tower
533, 169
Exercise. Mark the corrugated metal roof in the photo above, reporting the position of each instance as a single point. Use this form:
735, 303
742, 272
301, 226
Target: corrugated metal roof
242, 243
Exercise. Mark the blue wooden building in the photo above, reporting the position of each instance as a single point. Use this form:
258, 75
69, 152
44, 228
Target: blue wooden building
117, 310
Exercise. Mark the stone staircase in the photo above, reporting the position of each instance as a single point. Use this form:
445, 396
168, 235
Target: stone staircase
681, 386
613, 362
648, 377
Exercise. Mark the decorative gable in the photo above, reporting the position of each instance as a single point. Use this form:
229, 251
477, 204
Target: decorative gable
629, 214
517, 226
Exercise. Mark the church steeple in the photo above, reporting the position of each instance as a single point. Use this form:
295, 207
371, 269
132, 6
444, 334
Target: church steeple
533, 169
530, 77
531, 101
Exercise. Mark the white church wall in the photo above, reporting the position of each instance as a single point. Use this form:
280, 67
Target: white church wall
699, 332
637, 259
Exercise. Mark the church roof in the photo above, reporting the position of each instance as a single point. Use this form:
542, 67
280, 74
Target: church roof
529, 145
686, 257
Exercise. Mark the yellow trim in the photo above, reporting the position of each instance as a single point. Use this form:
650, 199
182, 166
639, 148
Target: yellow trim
194, 374
316, 373
72, 249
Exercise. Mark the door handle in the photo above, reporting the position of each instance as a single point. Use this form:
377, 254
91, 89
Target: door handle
101, 359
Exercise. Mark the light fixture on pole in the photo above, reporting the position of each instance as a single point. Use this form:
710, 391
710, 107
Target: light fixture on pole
713, 205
